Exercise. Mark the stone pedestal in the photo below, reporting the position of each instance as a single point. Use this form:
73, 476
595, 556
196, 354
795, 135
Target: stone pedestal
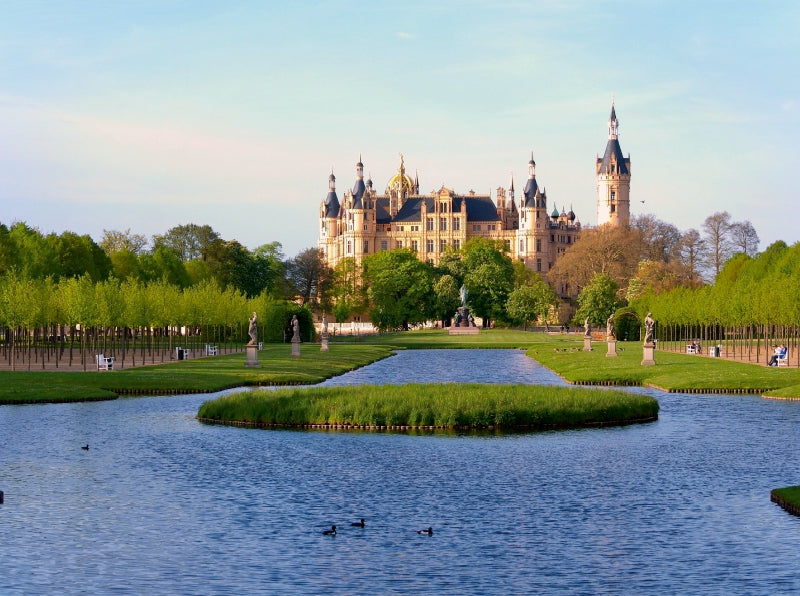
587, 344
295, 346
252, 356
612, 347
323, 345
649, 355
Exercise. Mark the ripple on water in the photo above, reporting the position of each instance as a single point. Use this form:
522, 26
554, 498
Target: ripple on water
164, 504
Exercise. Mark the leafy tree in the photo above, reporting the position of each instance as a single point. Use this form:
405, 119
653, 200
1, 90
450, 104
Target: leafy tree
8, 251
598, 299
346, 291
125, 264
163, 264
532, 301
489, 277
79, 255
115, 241
37, 256
309, 276
400, 288
446, 298
191, 241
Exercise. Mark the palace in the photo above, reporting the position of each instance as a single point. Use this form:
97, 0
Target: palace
365, 222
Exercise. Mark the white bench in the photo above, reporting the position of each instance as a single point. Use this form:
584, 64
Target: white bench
211, 350
104, 363
784, 360
696, 349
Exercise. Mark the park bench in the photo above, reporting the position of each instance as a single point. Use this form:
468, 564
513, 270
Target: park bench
784, 360
104, 363
211, 350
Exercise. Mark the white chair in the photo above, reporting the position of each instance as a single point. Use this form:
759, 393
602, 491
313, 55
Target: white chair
104, 363
784, 360
211, 350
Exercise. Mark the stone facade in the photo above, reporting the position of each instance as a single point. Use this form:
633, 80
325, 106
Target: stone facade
364, 221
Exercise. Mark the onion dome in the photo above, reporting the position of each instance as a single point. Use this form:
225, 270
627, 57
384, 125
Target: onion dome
555, 214
571, 214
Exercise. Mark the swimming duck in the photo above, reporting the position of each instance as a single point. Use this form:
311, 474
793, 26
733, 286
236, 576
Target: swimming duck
359, 524
429, 531
331, 532
85, 447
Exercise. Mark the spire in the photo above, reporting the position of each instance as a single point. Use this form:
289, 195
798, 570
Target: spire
613, 124
511, 187
531, 187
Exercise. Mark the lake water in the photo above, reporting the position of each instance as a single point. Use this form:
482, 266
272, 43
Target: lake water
161, 504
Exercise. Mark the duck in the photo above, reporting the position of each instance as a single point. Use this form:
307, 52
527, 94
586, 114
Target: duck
359, 524
331, 532
85, 447
429, 531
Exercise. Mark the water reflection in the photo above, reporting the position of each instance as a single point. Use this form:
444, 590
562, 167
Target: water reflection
163, 504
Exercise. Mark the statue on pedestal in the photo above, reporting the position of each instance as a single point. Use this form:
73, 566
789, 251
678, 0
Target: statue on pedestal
649, 325
610, 326
252, 330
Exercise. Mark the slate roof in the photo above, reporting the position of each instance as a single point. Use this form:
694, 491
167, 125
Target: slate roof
478, 209
332, 205
613, 149
358, 193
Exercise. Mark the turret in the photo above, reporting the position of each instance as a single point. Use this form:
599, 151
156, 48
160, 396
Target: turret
613, 179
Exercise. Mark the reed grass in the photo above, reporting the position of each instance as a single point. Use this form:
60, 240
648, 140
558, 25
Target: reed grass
472, 406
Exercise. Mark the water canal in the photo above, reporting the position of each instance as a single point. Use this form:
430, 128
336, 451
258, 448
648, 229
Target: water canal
163, 504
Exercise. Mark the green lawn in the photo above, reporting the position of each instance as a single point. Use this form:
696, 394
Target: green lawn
190, 376
560, 352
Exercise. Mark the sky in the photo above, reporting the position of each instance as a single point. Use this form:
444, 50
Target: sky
147, 115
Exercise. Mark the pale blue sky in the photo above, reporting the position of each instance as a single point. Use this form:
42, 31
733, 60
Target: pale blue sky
147, 115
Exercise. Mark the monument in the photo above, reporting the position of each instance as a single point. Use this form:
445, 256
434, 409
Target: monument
611, 339
463, 321
648, 358
251, 348
323, 346
587, 335
295, 336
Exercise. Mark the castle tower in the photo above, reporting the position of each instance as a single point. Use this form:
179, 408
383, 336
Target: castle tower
532, 220
329, 214
613, 180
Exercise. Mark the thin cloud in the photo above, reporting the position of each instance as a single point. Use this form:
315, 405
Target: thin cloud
405, 35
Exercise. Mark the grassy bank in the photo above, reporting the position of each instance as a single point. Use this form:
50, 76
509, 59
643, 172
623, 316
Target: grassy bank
190, 376
563, 353
433, 405
788, 498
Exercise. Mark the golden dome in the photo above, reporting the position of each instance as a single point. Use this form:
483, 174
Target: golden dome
401, 182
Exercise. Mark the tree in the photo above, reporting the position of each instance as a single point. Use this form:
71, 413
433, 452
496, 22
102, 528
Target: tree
114, 241
446, 298
659, 240
8, 251
604, 250
692, 250
346, 294
744, 238
190, 241
489, 277
79, 255
309, 275
716, 237
598, 299
400, 288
